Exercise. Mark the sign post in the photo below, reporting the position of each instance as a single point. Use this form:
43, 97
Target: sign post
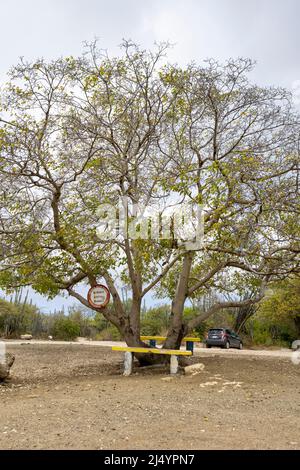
98, 296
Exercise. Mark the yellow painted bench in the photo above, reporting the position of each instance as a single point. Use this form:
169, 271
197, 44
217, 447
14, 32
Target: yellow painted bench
130, 351
188, 340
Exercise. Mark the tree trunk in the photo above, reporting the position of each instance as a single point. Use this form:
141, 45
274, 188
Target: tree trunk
132, 338
175, 337
129, 325
297, 324
177, 328
243, 315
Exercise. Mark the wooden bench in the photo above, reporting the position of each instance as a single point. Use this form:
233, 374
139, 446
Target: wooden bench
129, 355
188, 340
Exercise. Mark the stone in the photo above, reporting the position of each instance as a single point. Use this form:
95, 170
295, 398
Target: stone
208, 384
194, 369
5, 365
26, 337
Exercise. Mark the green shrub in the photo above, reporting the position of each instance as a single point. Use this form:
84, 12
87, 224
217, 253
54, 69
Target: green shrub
111, 333
150, 327
17, 318
155, 320
189, 314
65, 329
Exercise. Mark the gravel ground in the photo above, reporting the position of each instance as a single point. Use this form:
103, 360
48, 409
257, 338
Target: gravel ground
64, 396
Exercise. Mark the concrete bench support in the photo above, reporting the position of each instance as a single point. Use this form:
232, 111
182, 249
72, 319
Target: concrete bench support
128, 363
173, 365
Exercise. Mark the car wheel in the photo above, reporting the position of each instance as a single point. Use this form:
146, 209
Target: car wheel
208, 346
241, 345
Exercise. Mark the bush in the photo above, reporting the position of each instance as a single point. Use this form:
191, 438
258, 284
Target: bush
264, 331
189, 314
65, 329
19, 318
155, 320
84, 318
110, 333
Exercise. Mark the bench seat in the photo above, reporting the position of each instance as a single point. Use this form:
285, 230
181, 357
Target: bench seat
142, 350
163, 338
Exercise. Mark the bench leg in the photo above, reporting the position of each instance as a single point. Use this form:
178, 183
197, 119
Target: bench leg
128, 362
173, 365
190, 346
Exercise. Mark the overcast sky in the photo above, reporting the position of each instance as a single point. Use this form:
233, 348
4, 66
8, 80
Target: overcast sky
266, 30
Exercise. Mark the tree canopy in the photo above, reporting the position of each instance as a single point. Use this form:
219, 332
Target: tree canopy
76, 133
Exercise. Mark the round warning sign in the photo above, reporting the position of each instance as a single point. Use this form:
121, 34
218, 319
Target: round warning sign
98, 296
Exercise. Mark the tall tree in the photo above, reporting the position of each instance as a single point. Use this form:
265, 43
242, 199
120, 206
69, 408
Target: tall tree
79, 133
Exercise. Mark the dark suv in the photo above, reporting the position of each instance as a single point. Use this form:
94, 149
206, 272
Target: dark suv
224, 338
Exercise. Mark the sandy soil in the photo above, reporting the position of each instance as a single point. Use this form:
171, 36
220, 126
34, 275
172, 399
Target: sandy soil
69, 397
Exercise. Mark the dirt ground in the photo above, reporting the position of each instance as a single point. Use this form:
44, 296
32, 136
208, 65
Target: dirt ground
74, 397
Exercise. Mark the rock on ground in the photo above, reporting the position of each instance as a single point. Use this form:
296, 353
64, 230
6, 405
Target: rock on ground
194, 369
6, 365
26, 337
